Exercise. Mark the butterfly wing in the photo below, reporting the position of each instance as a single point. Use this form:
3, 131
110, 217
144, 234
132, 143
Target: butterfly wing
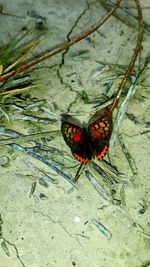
73, 134
100, 129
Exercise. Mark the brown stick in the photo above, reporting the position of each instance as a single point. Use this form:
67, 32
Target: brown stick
60, 47
133, 59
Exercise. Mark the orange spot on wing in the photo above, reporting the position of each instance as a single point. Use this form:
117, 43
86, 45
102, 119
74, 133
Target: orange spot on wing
103, 153
69, 129
81, 159
102, 124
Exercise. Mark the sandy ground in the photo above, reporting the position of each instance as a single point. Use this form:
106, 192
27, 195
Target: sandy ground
44, 219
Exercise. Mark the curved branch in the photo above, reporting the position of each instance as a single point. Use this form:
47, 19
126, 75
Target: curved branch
60, 47
133, 59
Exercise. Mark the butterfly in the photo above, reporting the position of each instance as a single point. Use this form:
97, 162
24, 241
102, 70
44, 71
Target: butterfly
90, 140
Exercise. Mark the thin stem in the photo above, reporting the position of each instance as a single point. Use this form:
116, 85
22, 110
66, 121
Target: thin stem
133, 59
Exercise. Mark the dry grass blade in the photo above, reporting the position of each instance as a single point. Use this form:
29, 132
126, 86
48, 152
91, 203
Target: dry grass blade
18, 51
45, 161
100, 189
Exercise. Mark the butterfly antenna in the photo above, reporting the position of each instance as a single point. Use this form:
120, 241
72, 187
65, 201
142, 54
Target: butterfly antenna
79, 171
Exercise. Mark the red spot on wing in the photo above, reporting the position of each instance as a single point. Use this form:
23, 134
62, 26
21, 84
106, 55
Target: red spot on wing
96, 134
77, 137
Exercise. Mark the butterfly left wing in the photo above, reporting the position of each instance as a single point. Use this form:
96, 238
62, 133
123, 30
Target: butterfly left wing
100, 129
72, 132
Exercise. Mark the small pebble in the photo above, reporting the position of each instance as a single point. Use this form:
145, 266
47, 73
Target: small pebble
4, 161
77, 219
43, 196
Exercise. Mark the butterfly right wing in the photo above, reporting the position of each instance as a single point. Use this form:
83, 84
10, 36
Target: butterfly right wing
72, 132
100, 129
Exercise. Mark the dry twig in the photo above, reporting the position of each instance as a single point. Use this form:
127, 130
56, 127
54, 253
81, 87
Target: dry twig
60, 47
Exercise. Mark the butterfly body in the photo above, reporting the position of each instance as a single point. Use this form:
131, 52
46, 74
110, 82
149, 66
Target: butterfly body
89, 140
